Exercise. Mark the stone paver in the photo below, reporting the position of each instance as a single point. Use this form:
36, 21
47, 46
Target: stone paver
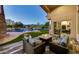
11, 36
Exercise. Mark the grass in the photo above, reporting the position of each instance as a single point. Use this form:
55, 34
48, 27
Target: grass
33, 34
44, 31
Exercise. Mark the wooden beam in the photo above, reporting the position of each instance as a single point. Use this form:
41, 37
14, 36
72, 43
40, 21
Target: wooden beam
45, 8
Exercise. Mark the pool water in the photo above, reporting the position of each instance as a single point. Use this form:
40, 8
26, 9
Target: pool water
20, 30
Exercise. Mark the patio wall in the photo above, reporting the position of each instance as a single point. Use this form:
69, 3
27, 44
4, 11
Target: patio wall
2, 22
65, 13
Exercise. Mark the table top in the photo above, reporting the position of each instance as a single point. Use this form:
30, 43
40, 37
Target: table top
45, 36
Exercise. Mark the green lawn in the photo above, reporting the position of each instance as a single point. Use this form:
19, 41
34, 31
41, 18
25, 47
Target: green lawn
33, 34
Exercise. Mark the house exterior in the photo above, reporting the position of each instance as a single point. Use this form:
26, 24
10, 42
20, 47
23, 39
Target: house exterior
2, 22
55, 13
59, 13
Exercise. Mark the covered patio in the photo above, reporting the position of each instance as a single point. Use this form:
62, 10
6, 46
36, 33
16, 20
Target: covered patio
63, 19
62, 36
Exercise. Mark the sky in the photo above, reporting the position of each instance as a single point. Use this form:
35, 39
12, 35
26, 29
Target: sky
27, 14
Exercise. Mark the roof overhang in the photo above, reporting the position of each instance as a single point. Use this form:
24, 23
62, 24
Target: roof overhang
49, 8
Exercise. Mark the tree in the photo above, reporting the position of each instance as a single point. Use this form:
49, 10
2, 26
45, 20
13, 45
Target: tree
46, 25
9, 26
18, 25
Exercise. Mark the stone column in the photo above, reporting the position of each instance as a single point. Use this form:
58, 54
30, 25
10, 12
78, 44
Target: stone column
51, 27
78, 23
2, 22
73, 22
51, 24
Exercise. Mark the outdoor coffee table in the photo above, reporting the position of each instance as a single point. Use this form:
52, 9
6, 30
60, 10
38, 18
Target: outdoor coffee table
46, 38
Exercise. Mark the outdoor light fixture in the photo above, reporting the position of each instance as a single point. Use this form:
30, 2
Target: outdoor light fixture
64, 22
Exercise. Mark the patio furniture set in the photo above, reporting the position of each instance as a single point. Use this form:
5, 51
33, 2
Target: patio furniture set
38, 45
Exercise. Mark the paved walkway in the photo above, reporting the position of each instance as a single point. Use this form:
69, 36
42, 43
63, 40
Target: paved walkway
15, 48
11, 36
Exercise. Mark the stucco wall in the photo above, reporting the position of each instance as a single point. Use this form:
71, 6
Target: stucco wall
78, 22
78, 30
66, 13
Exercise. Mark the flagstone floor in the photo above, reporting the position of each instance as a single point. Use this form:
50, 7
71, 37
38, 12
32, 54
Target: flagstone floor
11, 36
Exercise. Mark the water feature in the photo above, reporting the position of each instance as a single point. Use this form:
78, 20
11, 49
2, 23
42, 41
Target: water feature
22, 30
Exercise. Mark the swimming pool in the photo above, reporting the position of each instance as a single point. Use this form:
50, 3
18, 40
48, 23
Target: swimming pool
22, 30
18, 30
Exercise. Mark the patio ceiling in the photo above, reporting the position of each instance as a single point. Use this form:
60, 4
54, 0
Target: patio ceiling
49, 8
